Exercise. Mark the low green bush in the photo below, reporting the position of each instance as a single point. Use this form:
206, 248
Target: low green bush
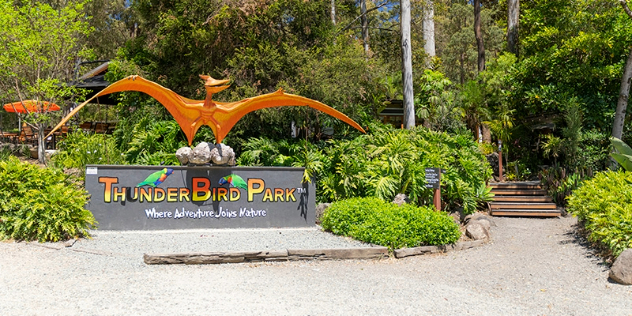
383, 223
40, 203
604, 205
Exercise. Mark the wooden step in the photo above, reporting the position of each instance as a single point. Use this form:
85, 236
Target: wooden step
526, 212
516, 185
518, 192
531, 206
523, 198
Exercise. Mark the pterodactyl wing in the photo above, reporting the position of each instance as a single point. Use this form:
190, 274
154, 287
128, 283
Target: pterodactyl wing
228, 114
184, 111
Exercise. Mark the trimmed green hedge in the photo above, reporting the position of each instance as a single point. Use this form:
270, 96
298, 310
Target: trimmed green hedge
40, 203
375, 221
604, 205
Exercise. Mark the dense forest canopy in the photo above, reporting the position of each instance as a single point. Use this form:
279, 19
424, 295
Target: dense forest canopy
553, 100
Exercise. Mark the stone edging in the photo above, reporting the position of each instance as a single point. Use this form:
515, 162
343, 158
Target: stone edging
416, 251
301, 254
266, 256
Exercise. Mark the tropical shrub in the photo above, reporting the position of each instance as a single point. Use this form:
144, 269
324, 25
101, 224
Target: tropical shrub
383, 223
386, 162
264, 152
604, 205
5, 153
81, 148
623, 155
560, 183
40, 203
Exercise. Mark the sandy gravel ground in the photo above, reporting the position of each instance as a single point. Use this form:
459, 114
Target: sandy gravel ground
532, 267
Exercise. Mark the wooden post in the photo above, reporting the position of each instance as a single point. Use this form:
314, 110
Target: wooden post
437, 198
500, 161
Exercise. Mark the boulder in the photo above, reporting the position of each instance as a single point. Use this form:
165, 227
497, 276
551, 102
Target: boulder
222, 155
458, 215
320, 211
401, 199
183, 155
621, 271
201, 154
476, 231
483, 222
479, 217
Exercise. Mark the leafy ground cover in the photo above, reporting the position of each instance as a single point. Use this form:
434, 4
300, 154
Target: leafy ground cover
604, 205
383, 223
41, 204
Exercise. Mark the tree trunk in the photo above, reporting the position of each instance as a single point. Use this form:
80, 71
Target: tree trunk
429, 29
41, 144
407, 65
624, 94
333, 12
462, 69
487, 134
365, 28
513, 20
479, 35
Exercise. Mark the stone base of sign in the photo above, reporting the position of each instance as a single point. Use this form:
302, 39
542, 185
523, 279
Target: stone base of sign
266, 256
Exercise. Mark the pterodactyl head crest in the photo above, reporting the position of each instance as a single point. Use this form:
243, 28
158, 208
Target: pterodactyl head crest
213, 85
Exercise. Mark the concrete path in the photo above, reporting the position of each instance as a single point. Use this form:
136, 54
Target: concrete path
532, 267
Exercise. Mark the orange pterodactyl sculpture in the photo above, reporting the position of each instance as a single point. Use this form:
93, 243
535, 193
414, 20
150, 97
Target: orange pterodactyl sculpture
220, 116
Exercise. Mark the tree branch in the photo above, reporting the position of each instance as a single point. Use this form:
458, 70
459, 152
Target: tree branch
624, 4
360, 16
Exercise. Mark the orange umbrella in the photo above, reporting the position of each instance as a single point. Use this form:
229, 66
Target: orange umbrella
31, 106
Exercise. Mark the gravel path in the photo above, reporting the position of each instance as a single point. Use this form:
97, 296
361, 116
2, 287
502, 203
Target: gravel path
532, 267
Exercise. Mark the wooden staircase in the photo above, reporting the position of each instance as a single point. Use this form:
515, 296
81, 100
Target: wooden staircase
522, 199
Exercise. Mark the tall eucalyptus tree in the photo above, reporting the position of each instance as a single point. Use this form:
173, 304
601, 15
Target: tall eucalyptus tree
407, 65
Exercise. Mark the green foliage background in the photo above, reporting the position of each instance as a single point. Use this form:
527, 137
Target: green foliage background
383, 163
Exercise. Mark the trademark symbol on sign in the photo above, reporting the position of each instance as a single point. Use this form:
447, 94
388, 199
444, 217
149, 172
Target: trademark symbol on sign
300, 190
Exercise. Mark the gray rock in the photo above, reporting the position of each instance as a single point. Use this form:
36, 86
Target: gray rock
222, 156
476, 231
401, 199
479, 216
320, 211
183, 155
458, 215
621, 271
201, 154
483, 222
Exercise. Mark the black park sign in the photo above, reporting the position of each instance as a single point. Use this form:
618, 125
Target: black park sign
174, 197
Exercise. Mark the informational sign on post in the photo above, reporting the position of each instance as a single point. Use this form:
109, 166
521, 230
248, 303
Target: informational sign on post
433, 178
